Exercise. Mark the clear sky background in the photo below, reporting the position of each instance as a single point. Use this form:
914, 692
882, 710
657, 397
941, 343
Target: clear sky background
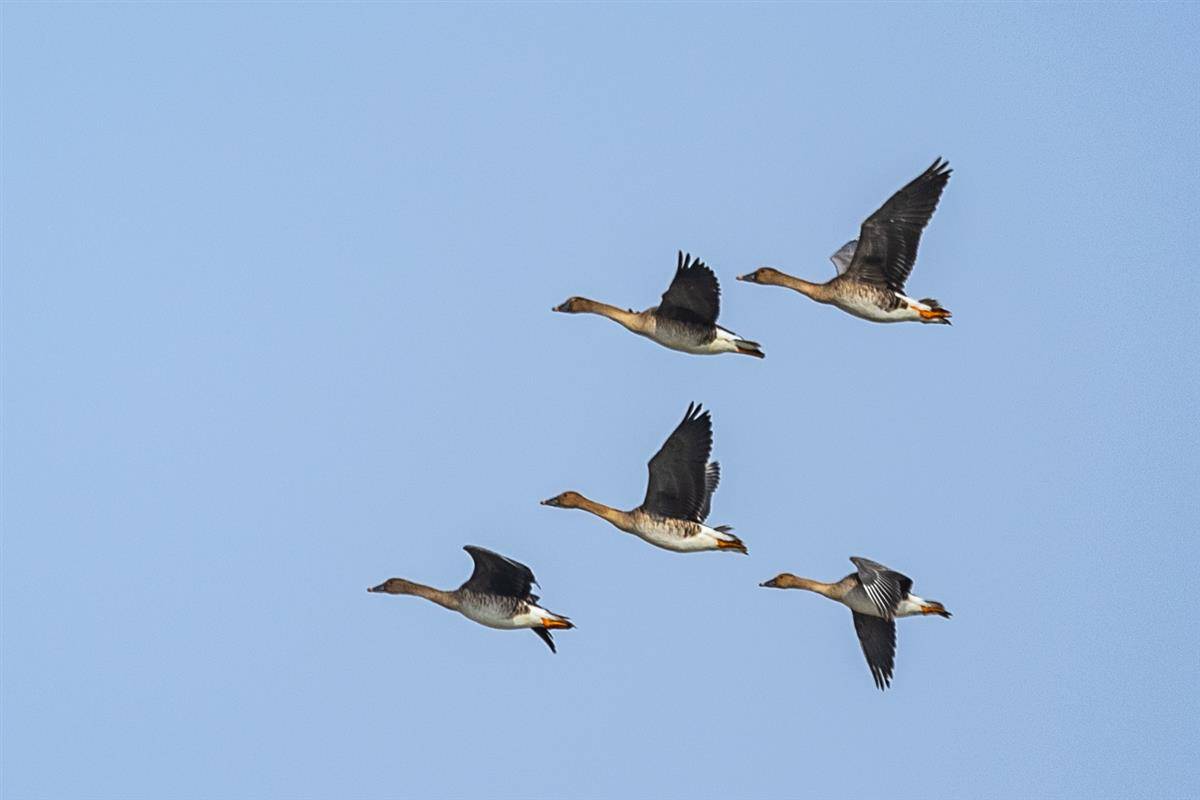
276, 326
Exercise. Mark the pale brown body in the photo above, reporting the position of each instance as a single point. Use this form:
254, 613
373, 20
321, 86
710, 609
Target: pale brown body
679, 535
873, 268
866, 301
497, 594
850, 593
684, 336
877, 595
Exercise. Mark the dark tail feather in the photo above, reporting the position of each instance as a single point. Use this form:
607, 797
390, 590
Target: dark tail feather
737, 545
749, 348
934, 607
937, 313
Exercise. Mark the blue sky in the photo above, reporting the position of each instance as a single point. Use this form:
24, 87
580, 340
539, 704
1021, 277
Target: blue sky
276, 326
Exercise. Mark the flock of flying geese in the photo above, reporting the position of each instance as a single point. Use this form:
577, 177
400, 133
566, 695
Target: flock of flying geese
870, 284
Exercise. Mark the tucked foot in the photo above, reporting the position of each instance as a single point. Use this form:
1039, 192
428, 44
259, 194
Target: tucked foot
732, 543
934, 607
931, 311
750, 349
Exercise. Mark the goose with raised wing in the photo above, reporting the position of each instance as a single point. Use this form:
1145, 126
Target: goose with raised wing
678, 497
496, 595
876, 595
685, 319
873, 268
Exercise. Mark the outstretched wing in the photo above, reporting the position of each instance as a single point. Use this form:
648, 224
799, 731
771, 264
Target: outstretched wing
694, 295
495, 574
878, 639
887, 243
842, 258
884, 586
712, 477
678, 478
545, 636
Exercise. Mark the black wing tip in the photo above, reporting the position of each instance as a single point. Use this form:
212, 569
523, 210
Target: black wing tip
491, 560
696, 411
883, 678
545, 636
940, 168
870, 563
684, 262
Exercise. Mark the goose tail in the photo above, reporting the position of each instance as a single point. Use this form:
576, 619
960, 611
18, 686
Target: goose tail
727, 541
933, 312
749, 348
934, 607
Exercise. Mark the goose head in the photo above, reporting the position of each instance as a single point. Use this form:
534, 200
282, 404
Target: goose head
565, 500
394, 586
761, 275
572, 305
784, 580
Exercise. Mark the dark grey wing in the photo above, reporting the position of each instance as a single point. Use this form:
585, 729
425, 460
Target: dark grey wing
887, 243
878, 639
677, 487
842, 258
884, 586
495, 574
545, 636
694, 295
712, 477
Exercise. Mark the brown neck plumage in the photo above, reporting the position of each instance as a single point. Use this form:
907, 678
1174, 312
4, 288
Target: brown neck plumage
834, 591
817, 291
617, 517
629, 319
401, 586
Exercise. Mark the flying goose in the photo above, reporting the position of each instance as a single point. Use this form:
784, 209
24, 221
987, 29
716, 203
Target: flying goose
872, 269
678, 496
876, 595
496, 595
685, 319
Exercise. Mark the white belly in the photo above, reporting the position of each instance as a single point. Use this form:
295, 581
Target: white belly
532, 616
490, 616
858, 601
684, 339
862, 307
670, 535
717, 345
684, 347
